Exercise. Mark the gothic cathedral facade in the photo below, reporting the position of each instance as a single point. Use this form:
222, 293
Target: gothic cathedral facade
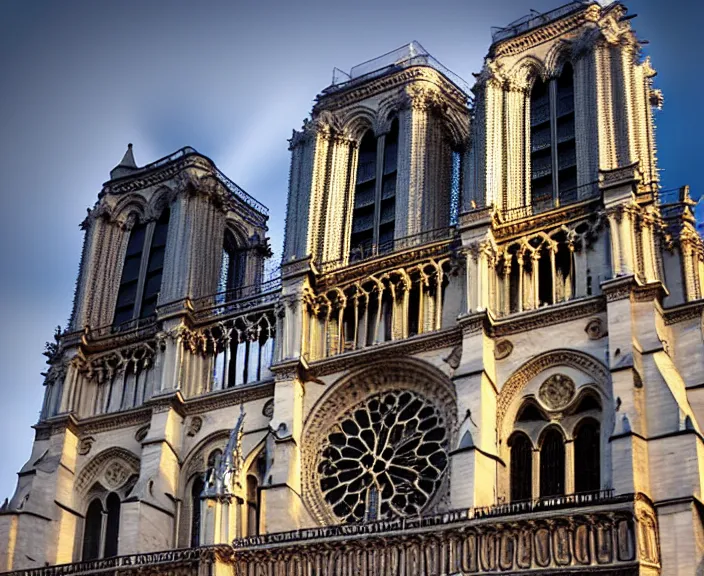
484, 352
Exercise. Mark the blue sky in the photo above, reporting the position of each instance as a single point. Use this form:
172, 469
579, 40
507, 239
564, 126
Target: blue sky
81, 79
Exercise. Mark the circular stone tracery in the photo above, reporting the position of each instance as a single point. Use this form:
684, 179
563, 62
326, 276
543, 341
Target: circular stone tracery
384, 457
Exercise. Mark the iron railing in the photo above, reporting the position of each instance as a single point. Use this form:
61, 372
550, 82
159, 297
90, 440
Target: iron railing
545, 203
245, 297
186, 151
412, 54
534, 20
369, 250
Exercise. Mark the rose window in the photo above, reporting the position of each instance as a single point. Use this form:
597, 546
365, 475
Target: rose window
384, 457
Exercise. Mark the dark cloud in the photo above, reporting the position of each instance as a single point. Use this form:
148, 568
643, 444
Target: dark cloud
81, 79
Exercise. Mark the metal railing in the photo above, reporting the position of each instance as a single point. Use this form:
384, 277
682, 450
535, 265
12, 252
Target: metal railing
369, 250
412, 54
545, 203
533, 20
186, 151
545, 503
237, 299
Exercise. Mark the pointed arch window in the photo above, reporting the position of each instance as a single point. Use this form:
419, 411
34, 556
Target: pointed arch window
101, 532
92, 530
232, 271
587, 456
553, 153
521, 468
374, 212
142, 270
112, 528
552, 464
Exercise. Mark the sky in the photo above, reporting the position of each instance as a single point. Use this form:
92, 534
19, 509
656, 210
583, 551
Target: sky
81, 79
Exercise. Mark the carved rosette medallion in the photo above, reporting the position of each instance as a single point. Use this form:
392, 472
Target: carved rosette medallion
384, 458
557, 391
115, 475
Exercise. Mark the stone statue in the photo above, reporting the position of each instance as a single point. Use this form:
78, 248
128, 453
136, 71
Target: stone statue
223, 477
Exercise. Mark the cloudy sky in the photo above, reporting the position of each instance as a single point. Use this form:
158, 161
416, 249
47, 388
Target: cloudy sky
81, 79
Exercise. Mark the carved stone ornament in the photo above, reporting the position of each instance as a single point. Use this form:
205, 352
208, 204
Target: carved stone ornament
557, 391
85, 445
194, 426
503, 349
268, 409
141, 433
595, 329
115, 475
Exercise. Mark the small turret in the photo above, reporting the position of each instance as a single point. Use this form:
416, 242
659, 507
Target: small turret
126, 166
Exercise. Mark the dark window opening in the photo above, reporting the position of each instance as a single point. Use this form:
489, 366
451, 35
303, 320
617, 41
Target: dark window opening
552, 464
372, 318
587, 457
531, 413
364, 198
545, 289
196, 491
521, 468
515, 286
112, 529
140, 282
588, 402
414, 312
234, 261
348, 325
92, 531
564, 276
387, 305
155, 266
252, 506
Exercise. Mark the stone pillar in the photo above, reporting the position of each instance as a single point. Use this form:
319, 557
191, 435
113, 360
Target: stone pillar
614, 215
473, 463
516, 151
281, 505
339, 202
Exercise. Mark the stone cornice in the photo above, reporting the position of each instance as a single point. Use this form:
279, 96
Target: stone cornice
446, 338
393, 260
230, 397
372, 87
683, 312
546, 33
547, 316
562, 215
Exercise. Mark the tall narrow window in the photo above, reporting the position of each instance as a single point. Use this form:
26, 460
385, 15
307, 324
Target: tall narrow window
587, 457
112, 528
155, 266
387, 216
364, 198
196, 491
142, 270
455, 186
252, 506
127, 294
374, 214
92, 531
521, 468
232, 273
553, 155
552, 464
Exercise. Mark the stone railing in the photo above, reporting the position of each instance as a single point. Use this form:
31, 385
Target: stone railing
189, 561
595, 533
616, 535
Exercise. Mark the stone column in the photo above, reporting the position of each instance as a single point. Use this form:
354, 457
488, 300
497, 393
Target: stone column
338, 202
614, 216
516, 152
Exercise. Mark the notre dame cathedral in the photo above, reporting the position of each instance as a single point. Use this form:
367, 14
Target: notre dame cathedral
483, 354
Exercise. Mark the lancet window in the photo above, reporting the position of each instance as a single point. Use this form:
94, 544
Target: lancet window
142, 270
102, 528
521, 467
374, 213
232, 271
553, 154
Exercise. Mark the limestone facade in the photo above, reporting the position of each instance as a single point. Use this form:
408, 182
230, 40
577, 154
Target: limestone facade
484, 353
